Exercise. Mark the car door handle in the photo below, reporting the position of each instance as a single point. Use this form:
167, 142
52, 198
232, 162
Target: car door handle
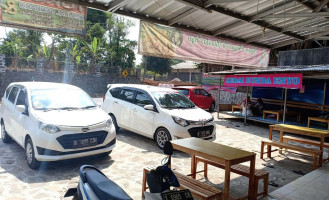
134, 110
115, 102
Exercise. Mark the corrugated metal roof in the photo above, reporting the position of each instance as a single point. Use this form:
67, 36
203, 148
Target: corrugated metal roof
267, 23
279, 69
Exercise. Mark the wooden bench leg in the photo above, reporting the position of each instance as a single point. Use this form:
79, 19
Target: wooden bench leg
315, 162
266, 184
261, 150
256, 182
144, 182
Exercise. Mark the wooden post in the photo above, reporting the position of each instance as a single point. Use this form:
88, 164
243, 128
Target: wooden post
245, 116
193, 167
220, 80
284, 106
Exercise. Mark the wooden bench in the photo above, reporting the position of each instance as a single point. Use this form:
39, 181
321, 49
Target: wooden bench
314, 152
286, 139
236, 107
197, 188
238, 169
318, 119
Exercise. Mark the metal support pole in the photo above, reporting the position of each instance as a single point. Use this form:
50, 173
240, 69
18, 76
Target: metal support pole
220, 80
324, 95
284, 106
190, 78
245, 116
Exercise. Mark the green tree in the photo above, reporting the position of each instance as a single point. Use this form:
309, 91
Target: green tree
156, 65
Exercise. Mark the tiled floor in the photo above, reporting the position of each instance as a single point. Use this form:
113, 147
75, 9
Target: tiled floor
312, 186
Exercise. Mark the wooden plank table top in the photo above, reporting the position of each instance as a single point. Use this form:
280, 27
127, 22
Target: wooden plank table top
300, 130
318, 119
218, 153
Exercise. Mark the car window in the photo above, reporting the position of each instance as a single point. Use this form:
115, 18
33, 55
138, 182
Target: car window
197, 92
172, 100
21, 98
115, 92
184, 91
142, 99
127, 95
205, 93
60, 98
13, 94
8, 90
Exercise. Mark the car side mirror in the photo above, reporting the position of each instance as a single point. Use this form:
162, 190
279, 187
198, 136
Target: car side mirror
21, 108
149, 107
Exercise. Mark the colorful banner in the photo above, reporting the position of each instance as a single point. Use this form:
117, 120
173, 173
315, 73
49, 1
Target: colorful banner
265, 80
162, 41
47, 15
214, 80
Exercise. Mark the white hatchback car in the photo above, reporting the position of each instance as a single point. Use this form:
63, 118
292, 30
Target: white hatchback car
159, 113
54, 121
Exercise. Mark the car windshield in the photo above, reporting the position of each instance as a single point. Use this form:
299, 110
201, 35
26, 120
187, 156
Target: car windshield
60, 98
172, 99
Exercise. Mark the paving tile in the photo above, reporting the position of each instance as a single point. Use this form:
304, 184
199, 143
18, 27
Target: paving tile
306, 193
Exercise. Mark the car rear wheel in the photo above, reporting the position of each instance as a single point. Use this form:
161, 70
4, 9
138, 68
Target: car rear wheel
32, 162
117, 128
212, 107
162, 135
4, 135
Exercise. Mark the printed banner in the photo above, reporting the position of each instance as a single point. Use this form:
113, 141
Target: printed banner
47, 15
265, 80
208, 79
162, 41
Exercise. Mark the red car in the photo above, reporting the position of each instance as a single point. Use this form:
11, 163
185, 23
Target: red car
198, 96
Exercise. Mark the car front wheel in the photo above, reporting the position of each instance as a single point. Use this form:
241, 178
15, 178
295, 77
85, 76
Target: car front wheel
4, 135
212, 107
32, 162
162, 135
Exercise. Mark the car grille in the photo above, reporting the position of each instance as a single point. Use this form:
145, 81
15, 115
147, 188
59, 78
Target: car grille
194, 131
67, 140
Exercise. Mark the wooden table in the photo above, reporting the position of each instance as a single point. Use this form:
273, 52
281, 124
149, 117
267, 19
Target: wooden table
225, 155
279, 113
236, 107
318, 119
300, 130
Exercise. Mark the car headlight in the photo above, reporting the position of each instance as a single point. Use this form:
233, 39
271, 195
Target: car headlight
48, 128
180, 121
109, 123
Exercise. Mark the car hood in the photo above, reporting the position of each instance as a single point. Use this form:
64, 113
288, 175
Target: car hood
193, 114
85, 117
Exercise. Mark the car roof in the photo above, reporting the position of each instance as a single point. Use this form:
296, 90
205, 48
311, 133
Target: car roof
187, 87
148, 88
44, 85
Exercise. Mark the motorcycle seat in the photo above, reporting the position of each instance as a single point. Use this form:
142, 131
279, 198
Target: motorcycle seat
104, 188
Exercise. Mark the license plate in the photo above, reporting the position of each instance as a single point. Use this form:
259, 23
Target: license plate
203, 133
84, 143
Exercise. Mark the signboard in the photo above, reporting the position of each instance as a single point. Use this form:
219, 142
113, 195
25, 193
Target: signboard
265, 80
177, 195
124, 73
47, 15
40, 63
162, 41
2, 63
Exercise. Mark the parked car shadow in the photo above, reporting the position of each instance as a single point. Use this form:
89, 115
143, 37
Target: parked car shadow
13, 161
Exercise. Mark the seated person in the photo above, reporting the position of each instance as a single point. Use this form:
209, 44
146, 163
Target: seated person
246, 107
257, 109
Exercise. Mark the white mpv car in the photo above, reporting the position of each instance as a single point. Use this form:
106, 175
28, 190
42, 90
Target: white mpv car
54, 121
159, 113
